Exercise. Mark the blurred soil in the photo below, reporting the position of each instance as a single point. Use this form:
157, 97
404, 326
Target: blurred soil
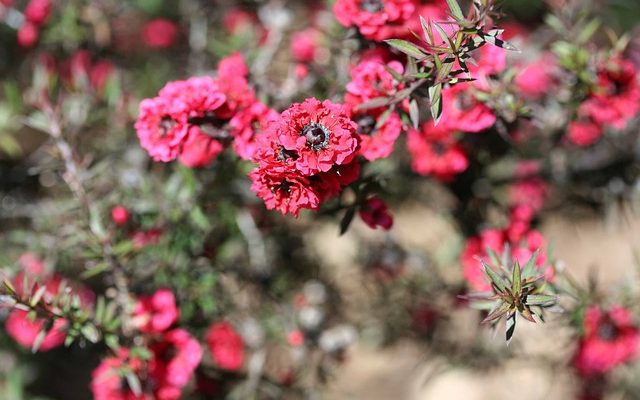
410, 370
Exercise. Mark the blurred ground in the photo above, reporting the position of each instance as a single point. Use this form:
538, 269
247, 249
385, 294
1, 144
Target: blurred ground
408, 370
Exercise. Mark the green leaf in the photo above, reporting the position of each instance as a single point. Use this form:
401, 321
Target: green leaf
435, 97
134, 383
373, 103
406, 47
516, 280
455, 9
588, 31
90, 332
496, 279
540, 300
497, 312
414, 113
530, 266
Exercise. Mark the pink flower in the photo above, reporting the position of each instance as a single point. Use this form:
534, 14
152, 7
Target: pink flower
295, 338
175, 358
435, 151
305, 45
616, 98
376, 19
165, 122
226, 346
377, 141
462, 111
160, 33
247, 125
149, 237
371, 79
31, 265
25, 330
157, 312
99, 75
199, 150
610, 339
522, 245
38, 11
375, 213
238, 21
284, 189
108, 381
28, 35
584, 133
320, 133
537, 78
119, 215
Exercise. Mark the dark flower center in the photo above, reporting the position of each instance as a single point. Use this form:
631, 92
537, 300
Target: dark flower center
366, 125
285, 155
211, 125
371, 6
439, 148
608, 331
317, 135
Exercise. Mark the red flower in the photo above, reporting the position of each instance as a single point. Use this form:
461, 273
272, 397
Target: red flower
157, 312
107, 380
38, 11
462, 111
25, 330
616, 98
226, 346
320, 133
232, 80
120, 215
375, 213
609, 340
164, 122
247, 125
160, 33
284, 189
371, 79
522, 247
435, 151
199, 150
174, 357
536, 78
27, 35
584, 133
377, 142
376, 19
305, 45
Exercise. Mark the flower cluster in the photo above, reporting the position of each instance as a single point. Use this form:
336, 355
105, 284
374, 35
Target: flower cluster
306, 156
172, 358
384, 19
26, 329
378, 131
195, 119
613, 101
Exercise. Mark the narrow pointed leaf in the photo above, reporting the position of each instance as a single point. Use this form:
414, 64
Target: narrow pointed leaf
414, 113
406, 47
455, 9
435, 97
495, 279
540, 300
516, 280
530, 267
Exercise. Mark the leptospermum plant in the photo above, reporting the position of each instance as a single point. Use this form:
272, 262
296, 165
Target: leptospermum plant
183, 261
